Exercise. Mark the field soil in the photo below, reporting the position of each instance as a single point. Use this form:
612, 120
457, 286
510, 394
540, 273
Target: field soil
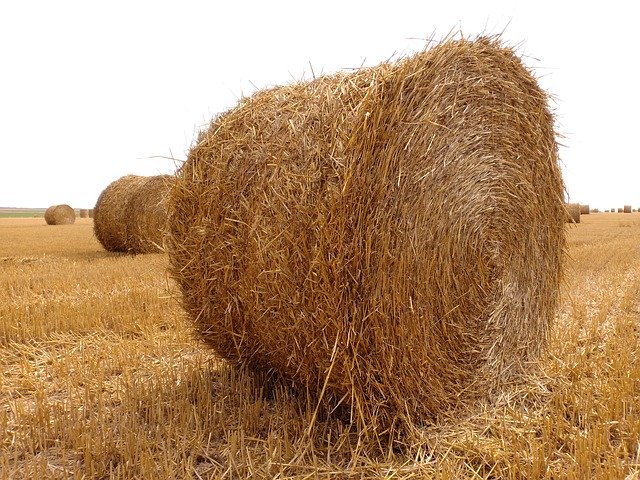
102, 376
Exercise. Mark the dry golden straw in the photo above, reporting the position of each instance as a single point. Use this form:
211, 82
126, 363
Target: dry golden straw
91, 213
60, 215
584, 210
130, 214
391, 238
627, 209
573, 213
84, 213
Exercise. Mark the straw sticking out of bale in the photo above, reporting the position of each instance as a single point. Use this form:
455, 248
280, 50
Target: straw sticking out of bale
584, 210
59, 215
363, 236
572, 213
627, 209
130, 214
84, 213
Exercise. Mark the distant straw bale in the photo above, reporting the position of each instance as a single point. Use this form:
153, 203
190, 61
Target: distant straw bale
620, 210
584, 209
130, 214
60, 215
84, 213
572, 213
389, 238
627, 209
91, 213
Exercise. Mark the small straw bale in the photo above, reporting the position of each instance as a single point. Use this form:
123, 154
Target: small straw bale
91, 213
572, 213
60, 215
130, 214
84, 213
584, 209
620, 210
390, 238
627, 209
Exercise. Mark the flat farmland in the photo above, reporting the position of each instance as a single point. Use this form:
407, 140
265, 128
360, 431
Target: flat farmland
103, 377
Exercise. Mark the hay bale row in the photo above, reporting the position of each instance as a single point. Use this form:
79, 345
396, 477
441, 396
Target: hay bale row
391, 238
60, 215
130, 214
572, 214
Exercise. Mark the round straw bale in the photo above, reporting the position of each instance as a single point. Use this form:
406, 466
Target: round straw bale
584, 210
627, 209
130, 214
620, 210
572, 213
146, 214
60, 215
91, 213
84, 213
364, 234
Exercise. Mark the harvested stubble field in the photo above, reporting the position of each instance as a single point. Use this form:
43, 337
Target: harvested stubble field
102, 378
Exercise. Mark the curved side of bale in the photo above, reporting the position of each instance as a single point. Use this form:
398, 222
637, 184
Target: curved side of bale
60, 215
572, 213
584, 210
362, 234
84, 213
627, 209
146, 215
109, 221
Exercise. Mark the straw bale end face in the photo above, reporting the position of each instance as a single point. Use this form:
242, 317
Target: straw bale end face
60, 215
364, 234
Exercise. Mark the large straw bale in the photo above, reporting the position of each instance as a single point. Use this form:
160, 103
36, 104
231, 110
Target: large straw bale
572, 213
584, 210
390, 238
627, 209
60, 215
130, 214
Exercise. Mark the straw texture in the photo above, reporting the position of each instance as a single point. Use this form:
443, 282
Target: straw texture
59, 215
130, 214
391, 238
573, 213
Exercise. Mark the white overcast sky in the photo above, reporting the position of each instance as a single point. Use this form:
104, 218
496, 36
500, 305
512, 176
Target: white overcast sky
91, 91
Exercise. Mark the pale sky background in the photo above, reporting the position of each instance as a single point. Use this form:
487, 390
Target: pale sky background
91, 91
